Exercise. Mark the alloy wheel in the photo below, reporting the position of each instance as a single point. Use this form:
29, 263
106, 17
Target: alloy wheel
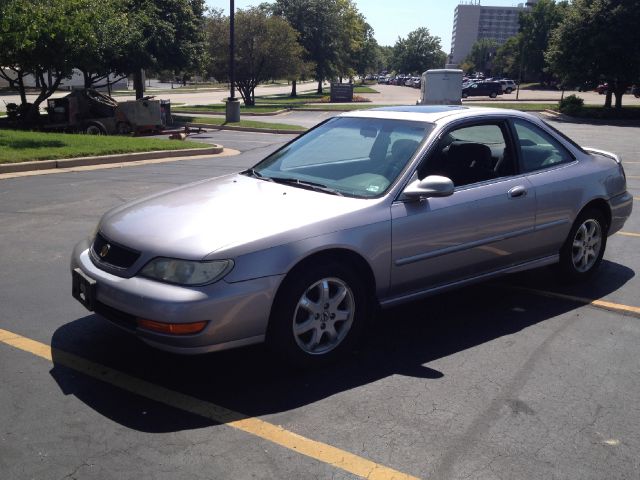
323, 316
586, 246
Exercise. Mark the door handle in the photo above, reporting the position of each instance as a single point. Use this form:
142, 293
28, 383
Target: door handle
519, 191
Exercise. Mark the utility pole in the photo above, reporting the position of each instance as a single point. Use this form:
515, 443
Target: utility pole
233, 104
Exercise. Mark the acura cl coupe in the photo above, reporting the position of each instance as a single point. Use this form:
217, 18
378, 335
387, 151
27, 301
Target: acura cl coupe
367, 210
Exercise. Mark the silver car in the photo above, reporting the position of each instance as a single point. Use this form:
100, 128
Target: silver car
369, 209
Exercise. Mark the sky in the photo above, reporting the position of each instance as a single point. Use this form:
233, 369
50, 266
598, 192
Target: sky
391, 19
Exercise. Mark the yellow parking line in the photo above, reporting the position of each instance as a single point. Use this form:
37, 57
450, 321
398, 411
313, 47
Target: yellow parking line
629, 234
602, 304
274, 433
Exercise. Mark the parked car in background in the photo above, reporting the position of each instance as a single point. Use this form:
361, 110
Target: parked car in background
635, 91
602, 88
369, 209
508, 86
587, 86
481, 89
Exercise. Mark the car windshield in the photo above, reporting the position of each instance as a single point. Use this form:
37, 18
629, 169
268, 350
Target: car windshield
358, 157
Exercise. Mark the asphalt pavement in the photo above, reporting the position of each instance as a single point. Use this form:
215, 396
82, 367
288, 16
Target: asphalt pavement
504, 380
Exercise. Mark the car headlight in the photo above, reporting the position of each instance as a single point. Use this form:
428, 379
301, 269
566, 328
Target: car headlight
186, 272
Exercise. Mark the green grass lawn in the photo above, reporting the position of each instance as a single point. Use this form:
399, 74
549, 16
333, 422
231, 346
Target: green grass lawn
364, 89
20, 146
241, 123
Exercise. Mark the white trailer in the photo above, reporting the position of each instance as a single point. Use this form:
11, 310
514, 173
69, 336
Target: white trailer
441, 87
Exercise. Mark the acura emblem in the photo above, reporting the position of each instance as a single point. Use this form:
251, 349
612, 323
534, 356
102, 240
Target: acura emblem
104, 251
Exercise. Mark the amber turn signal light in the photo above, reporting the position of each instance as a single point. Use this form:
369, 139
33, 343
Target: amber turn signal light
171, 328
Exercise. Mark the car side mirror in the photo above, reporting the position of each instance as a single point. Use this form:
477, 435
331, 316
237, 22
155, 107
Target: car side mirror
431, 186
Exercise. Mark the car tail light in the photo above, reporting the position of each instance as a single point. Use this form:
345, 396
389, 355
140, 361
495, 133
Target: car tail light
171, 328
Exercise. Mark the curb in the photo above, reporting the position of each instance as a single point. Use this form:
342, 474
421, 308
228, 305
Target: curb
246, 114
105, 159
615, 122
246, 129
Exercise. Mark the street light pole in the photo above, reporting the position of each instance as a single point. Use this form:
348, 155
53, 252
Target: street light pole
233, 104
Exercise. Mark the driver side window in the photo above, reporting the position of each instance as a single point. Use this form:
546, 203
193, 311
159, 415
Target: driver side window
471, 154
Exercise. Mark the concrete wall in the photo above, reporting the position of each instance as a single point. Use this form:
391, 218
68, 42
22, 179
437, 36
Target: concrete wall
474, 22
465, 32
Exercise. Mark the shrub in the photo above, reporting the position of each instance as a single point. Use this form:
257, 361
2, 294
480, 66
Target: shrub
571, 105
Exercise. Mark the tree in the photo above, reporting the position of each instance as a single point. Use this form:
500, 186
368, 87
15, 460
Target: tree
598, 40
42, 40
356, 50
384, 58
330, 31
420, 51
536, 25
266, 48
507, 61
482, 55
169, 35
112, 33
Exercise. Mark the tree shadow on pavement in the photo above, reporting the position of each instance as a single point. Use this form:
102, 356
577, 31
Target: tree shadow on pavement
402, 341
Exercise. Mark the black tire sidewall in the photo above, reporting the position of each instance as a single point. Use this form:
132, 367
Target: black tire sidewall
91, 128
566, 259
280, 336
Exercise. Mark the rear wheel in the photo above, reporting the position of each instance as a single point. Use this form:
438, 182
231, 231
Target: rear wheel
493, 95
582, 252
318, 315
464, 95
123, 128
94, 129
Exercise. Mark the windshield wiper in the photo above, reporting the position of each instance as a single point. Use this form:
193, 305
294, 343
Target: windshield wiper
319, 187
251, 172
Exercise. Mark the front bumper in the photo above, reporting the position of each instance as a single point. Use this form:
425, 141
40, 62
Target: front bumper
237, 313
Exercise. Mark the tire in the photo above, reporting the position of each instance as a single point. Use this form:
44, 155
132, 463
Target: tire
123, 128
583, 249
318, 315
93, 129
493, 95
464, 95
508, 90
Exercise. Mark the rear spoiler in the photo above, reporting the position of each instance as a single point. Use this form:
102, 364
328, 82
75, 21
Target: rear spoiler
603, 153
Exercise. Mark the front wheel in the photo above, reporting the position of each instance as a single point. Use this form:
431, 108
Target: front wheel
582, 252
493, 95
318, 315
464, 95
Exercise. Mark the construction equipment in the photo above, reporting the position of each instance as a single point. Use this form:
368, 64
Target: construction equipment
89, 111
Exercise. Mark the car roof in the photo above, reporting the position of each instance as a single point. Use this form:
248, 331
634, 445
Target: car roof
433, 113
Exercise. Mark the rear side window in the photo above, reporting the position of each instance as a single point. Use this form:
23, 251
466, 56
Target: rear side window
538, 149
470, 154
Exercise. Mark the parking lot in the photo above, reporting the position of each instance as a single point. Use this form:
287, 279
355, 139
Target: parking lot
524, 377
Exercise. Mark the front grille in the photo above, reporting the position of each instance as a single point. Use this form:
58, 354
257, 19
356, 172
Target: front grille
105, 251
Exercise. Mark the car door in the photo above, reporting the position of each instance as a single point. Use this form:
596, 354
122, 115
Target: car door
553, 172
481, 228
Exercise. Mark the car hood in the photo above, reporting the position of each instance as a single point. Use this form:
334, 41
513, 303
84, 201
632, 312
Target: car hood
228, 216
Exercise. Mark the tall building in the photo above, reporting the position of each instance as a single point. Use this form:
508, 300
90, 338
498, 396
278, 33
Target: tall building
473, 22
